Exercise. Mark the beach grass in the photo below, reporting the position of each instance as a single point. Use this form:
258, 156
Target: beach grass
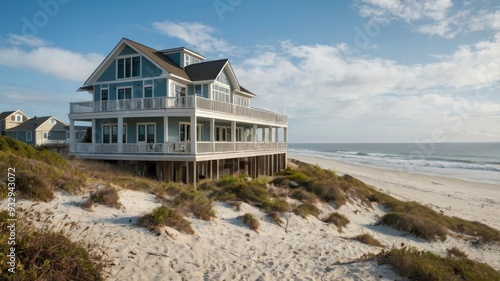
307, 209
415, 264
45, 250
107, 196
251, 221
165, 216
339, 220
368, 239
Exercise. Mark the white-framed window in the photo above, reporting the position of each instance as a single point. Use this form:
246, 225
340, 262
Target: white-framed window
124, 93
52, 121
17, 118
185, 132
241, 101
29, 136
146, 132
220, 93
110, 133
148, 91
104, 99
222, 133
239, 134
187, 60
222, 78
45, 135
127, 67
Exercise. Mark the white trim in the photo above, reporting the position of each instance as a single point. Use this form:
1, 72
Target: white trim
125, 87
145, 124
144, 86
131, 57
110, 125
199, 131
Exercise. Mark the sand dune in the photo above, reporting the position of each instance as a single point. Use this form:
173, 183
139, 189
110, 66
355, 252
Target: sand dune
226, 249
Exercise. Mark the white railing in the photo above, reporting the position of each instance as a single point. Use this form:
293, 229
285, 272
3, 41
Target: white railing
173, 147
176, 102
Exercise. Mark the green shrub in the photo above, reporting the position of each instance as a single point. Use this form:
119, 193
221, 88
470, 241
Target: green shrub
307, 208
303, 195
423, 265
368, 239
195, 202
275, 205
338, 220
455, 252
251, 222
165, 216
419, 225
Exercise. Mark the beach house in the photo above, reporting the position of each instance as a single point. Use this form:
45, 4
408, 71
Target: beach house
172, 115
10, 119
39, 131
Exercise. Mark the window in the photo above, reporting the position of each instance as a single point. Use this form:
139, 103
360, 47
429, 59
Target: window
187, 60
45, 135
29, 136
110, 133
223, 78
220, 93
198, 90
128, 67
222, 133
52, 121
124, 93
148, 91
241, 101
17, 118
104, 99
239, 134
185, 132
146, 133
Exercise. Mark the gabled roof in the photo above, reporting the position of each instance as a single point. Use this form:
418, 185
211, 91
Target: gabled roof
159, 58
6, 114
153, 55
35, 122
244, 90
205, 70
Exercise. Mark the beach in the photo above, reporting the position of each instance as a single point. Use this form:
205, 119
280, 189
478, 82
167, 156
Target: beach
465, 199
306, 249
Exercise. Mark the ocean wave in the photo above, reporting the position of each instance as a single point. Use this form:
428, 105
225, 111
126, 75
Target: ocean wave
398, 161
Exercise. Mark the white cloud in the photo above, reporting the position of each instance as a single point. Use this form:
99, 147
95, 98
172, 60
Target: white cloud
432, 17
197, 35
33, 53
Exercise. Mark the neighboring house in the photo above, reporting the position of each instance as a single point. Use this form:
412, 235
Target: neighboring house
39, 131
172, 115
79, 132
11, 119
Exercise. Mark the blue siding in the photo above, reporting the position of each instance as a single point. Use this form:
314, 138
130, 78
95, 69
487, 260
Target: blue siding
206, 130
190, 90
173, 127
176, 58
97, 92
138, 91
131, 127
127, 51
149, 69
109, 74
160, 87
205, 90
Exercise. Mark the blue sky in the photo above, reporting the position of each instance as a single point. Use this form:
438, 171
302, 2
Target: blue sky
343, 71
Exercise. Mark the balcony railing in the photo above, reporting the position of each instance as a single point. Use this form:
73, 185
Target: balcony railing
176, 102
174, 148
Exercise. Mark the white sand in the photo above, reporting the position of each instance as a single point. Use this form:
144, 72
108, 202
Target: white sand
311, 250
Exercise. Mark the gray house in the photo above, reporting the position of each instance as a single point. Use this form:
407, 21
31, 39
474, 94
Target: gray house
40, 130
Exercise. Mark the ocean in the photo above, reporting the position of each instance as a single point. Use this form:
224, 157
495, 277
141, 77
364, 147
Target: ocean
477, 162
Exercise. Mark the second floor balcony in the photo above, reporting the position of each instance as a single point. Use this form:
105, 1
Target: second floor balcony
189, 102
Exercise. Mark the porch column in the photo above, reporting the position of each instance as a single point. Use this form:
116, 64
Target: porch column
165, 134
94, 135
212, 133
276, 136
71, 134
120, 134
195, 173
193, 134
254, 136
285, 134
263, 134
233, 134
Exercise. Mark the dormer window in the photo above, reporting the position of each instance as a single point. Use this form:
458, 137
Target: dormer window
187, 60
17, 118
52, 121
128, 67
